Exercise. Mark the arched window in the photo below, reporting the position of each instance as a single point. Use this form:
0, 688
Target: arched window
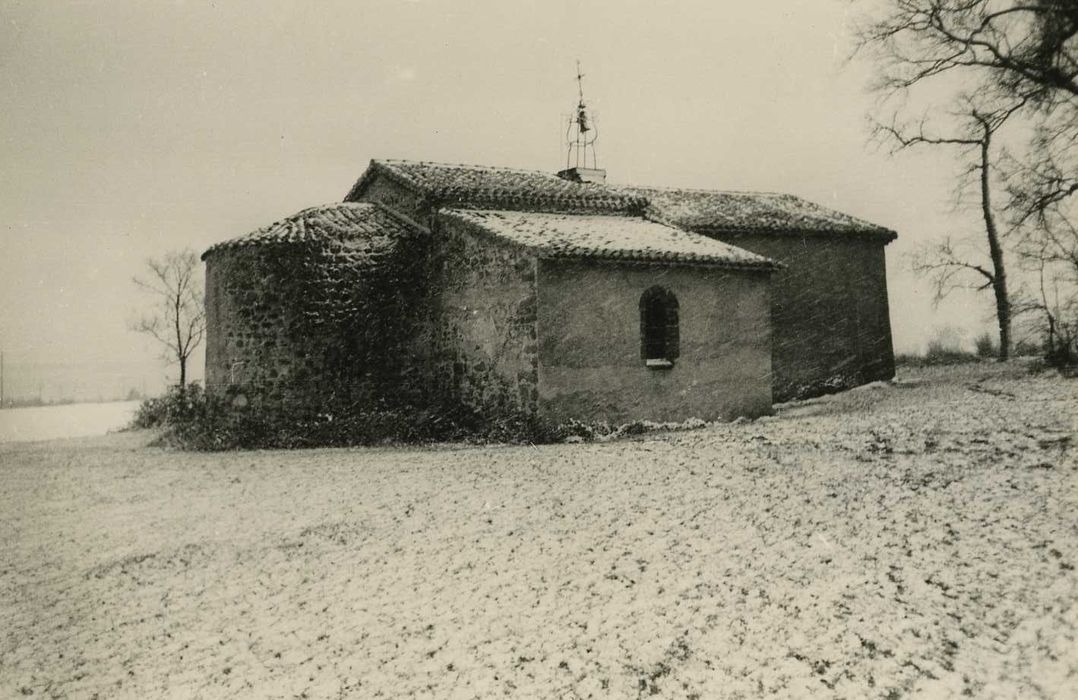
658, 327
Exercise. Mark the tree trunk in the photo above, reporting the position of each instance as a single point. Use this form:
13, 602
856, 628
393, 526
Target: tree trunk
999, 279
177, 302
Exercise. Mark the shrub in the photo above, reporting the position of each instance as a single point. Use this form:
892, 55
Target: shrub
936, 355
194, 419
941, 354
198, 420
1062, 356
1026, 347
188, 417
579, 431
985, 347
149, 414
155, 412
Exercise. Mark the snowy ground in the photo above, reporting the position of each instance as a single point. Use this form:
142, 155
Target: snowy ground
64, 421
917, 539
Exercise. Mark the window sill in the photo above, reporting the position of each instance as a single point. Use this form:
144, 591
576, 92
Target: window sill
658, 364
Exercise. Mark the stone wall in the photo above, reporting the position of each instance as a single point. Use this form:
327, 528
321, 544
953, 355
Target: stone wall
300, 324
252, 319
590, 364
447, 318
483, 313
832, 327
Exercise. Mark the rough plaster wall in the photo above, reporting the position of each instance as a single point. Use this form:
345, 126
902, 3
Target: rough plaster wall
589, 349
483, 320
831, 321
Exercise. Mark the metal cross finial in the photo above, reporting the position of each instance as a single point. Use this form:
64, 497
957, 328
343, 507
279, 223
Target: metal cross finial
581, 134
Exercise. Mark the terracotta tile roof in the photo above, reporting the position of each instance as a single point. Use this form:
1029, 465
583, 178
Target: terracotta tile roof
748, 211
370, 228
606, 237
499, 188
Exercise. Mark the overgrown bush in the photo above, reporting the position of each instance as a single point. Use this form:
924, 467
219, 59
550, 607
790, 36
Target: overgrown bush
197, 420
188, 417
155, 412
985, 347
1027, 347
149, 414
194, 419
942, 354
1062, 356
937, 355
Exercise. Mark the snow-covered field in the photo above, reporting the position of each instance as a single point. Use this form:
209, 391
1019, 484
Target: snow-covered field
915, 539
64, 421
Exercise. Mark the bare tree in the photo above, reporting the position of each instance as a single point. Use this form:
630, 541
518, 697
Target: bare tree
1054, 261
1022, 49
1019, 59
974, 138
178, 316
1044, 195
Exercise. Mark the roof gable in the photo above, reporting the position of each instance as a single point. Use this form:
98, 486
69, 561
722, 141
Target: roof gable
452, 185
591, 236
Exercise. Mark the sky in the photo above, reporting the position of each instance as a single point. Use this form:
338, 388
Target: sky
132, 128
